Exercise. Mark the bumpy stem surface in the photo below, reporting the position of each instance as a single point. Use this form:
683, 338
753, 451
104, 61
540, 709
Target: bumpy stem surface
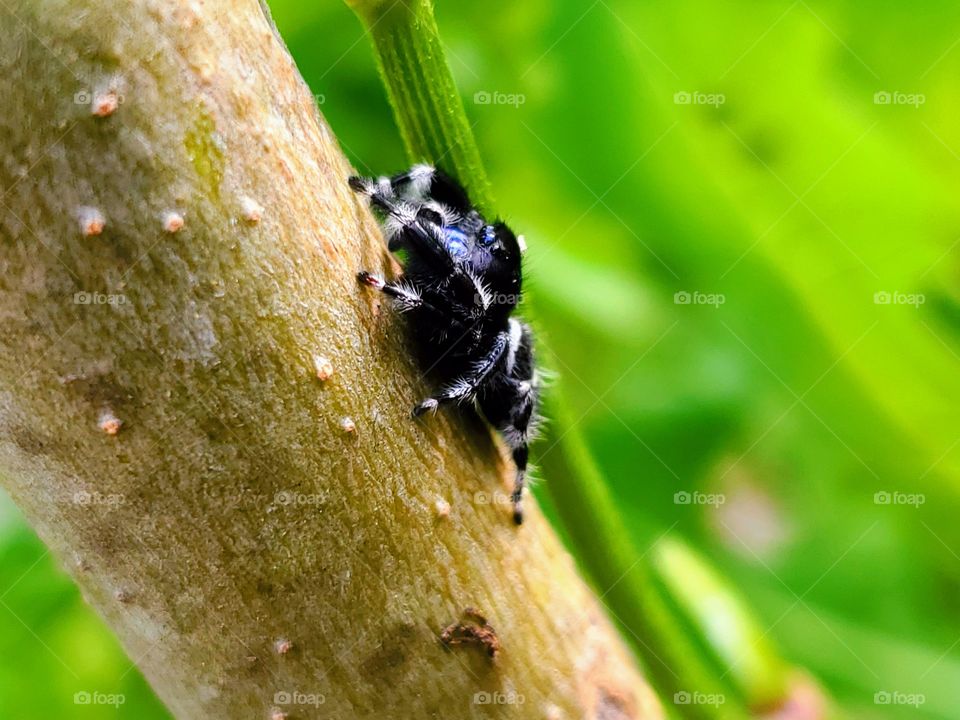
178, 247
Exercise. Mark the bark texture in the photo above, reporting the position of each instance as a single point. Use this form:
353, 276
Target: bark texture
177, 255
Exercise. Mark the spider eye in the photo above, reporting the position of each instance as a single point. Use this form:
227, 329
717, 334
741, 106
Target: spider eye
489, 236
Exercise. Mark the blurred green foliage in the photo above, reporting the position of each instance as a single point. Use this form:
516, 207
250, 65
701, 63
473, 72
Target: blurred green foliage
804, 417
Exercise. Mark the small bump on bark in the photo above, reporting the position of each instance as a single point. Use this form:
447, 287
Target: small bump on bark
91, 220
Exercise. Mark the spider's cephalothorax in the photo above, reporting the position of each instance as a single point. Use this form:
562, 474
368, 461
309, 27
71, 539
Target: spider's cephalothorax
461, 283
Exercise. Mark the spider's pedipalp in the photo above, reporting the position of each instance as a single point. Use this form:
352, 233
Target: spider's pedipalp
482, 297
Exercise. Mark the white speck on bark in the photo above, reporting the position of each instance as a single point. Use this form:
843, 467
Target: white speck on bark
91, 220
251, 210
172, 221
323, 367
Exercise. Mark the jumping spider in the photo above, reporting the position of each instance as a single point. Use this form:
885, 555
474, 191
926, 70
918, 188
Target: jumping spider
461, 282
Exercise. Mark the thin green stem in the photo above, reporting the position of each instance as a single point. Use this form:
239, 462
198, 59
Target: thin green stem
429, 111
632, 588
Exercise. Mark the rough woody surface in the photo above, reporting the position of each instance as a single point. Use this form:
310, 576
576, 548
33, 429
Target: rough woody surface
208, 420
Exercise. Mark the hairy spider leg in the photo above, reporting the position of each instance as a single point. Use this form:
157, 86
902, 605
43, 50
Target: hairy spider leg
423, 182
467, 384
407, 297
421, 229
510, 404
410, 225
515, 435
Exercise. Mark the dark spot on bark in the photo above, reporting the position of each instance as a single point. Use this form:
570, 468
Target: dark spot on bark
214, 428
612, 705
391, 655
29, 441
99, 389
36, 443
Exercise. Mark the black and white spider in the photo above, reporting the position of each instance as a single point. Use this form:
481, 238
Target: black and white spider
460, 285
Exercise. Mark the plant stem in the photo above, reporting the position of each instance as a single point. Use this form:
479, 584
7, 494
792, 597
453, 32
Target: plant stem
253, 528
633, 591
429, 111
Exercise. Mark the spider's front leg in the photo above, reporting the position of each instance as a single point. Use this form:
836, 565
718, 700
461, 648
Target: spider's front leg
419, 183
466, 385
407, 298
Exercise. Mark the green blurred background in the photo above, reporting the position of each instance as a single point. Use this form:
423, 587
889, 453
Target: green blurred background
791, 170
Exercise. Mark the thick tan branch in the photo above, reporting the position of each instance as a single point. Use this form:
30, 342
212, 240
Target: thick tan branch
178, 247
